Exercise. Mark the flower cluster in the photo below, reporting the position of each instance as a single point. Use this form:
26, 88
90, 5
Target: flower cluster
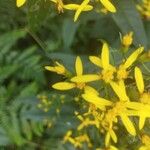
106, 112
78, 8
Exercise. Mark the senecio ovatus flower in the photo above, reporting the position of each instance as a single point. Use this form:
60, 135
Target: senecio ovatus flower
144, 106
19, 3
70, 85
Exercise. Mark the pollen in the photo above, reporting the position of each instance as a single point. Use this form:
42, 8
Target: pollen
122, 73
107, 75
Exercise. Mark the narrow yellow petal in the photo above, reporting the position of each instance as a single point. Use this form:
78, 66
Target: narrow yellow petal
49, 68
81, 7
105, 56
97, 101
128, 124
19, 3
107, 139
142, 121
113, 136
108, 5
139, 79
132, 58
79, 66
89, 89
63, 86
134, 105
85, 78
76, 6
96, 61
120, 91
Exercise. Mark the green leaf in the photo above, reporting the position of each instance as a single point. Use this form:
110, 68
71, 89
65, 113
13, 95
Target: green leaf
68, 32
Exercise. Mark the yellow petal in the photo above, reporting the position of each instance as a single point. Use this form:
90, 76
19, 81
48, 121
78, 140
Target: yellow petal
113, 136
105, 56
19, 3
89, 89
79, 66
139, 79
85, 78
81, 7
108, 5
128, 124
96, 61
97, 101
107, 139
76, 6
134, 105
142, 121
63, 86
132, 58
120, 91
49, 68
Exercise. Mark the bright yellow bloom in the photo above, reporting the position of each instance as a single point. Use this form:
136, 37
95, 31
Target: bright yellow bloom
78, 8
108, 5
144, 98
107, 73
108, 70
59, 69
120, 109
122, 71
127, 39
70, 85
19, 3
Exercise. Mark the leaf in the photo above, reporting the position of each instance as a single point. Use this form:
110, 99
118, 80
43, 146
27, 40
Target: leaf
128, 19
68, 32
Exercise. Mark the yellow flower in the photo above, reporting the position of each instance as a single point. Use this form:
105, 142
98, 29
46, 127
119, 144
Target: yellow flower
122, 71
19, 3
78, 8
59, 69
108, 70
107, 73
70, 85
144, 98
108, 5
127, 39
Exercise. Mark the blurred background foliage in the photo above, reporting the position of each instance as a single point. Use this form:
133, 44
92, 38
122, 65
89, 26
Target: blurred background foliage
34, 36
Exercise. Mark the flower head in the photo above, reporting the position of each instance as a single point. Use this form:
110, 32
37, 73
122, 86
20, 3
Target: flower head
127, 39
122, 71
59, 69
